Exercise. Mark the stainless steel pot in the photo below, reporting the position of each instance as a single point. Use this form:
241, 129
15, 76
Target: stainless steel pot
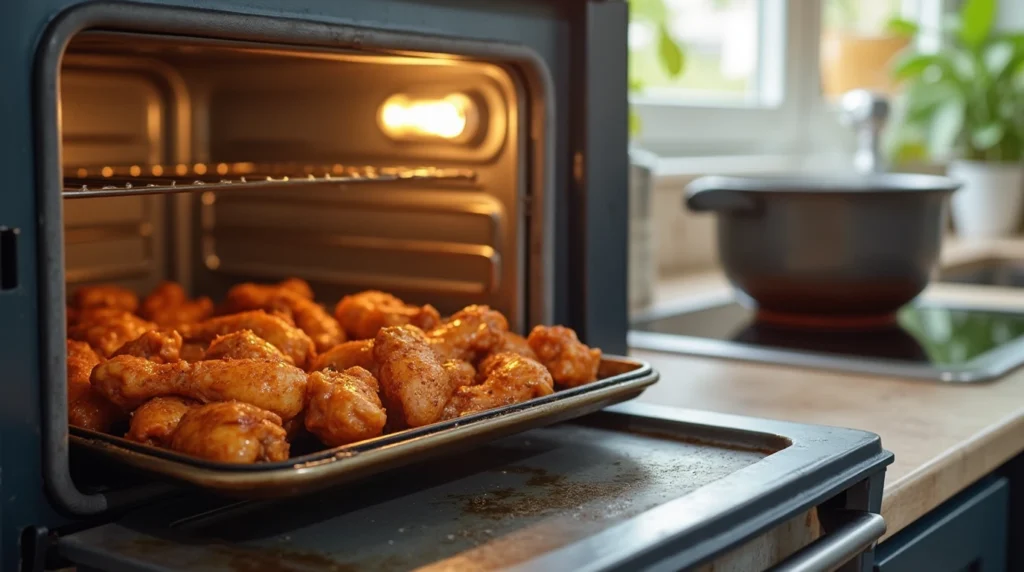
827, 250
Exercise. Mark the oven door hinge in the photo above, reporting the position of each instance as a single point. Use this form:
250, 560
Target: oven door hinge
8, 258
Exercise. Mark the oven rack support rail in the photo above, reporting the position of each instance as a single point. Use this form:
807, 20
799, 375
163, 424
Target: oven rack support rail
110, 181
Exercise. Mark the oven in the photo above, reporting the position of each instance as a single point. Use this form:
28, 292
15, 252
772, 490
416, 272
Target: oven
449, 152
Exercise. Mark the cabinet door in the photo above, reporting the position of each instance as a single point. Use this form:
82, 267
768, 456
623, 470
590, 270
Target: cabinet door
967, 533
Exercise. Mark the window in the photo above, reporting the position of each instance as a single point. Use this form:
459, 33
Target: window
759, 76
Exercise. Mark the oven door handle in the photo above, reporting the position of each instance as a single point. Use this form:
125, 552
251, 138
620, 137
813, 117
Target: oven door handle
858, 532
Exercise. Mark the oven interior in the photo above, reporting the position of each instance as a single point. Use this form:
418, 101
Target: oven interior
138, 108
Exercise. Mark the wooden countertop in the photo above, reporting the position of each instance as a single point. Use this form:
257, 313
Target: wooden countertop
944, 436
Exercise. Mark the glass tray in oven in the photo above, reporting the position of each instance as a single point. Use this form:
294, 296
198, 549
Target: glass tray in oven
620, 379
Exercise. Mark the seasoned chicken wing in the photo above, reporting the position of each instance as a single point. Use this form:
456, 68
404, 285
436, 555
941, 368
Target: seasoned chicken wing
160, 346
569, 360
154, 422
514, 343
244, 345
105, 296
86, 407
299, 286
107, 331
231, 432
346, 355
469, 334
344, 406
292, 341
276, 386
168, 306
460, 373
288, 298
508, 378
362, 315
414, 385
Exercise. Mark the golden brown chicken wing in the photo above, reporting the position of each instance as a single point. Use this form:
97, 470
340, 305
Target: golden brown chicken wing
86, 407
414, 385
514, 343
469, 334
105, 296
154, 422
107, 331
292, 341
509, 378
231, 432
344, 407
244, 345
362, 315
346, 355
460, 373
168, 306
288, 298
130, 381
160, 346
299, 286
570, 362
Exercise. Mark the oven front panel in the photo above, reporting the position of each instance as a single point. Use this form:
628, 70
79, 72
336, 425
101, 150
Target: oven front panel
582, 105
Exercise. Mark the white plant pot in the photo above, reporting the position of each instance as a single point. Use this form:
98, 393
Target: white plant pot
989, 205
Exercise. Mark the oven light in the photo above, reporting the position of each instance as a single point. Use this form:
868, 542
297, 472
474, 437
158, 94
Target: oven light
452, 117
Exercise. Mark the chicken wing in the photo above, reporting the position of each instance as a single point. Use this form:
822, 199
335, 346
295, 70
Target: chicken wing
414, 385
514, 343
346, 355
509, 378
105, 296
231, 432
107, 331
292, 341
299, 286
160, 346
344, 407
570, 362
244, 345
168, 306
287, 298
469, 334
130, 381
460, 373
154, 422
86, 407
362, 315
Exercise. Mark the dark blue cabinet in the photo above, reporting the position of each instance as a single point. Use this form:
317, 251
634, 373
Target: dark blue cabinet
966, 534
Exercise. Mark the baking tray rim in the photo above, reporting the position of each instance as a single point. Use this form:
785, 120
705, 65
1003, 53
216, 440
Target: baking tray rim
820, 462
558, 406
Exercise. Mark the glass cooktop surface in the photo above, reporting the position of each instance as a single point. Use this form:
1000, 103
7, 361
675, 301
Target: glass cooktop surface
929, 341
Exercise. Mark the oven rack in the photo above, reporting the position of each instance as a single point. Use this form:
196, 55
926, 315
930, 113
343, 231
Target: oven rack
111, 181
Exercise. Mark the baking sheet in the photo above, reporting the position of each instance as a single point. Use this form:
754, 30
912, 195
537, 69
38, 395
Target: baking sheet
504, 504
620, 379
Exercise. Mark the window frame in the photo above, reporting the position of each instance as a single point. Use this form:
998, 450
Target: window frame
799, 122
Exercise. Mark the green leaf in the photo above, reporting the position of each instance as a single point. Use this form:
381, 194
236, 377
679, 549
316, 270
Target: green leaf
648, 10
634, 124
669, 52
912, 64
923, 98
901, 27
947, 124
976, 18
998, 56
987, 136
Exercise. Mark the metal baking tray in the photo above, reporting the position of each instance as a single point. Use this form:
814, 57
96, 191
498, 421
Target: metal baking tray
632, 487
620, 379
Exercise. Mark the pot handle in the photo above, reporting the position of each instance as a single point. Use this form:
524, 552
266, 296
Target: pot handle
714, 194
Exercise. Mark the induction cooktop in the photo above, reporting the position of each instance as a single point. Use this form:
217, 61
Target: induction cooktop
930, 340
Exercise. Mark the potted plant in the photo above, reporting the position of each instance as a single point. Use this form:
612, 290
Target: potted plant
966, 101
643, 263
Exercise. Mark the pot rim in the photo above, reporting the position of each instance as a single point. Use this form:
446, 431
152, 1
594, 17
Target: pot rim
874, 183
